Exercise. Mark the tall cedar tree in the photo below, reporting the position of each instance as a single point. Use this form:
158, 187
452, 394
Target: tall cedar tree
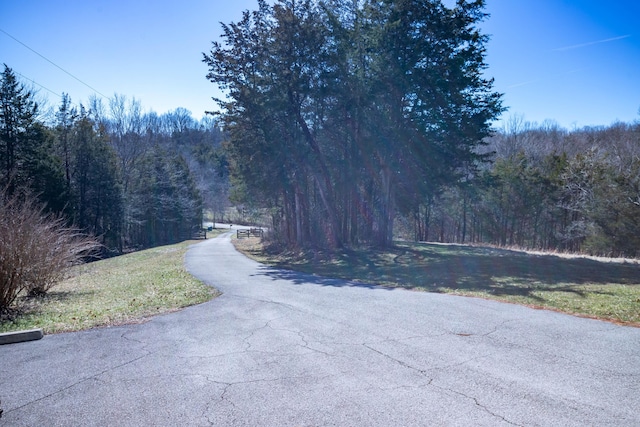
26, 159
342, 112
168, 205
95, 183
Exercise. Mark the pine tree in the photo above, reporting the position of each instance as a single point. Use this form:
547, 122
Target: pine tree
95, 183
351, 108
26, 158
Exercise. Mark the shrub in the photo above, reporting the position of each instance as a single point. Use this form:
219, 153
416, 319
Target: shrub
36, 248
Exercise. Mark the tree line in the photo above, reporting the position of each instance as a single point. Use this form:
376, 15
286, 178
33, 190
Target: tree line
354, 121
348, 122
341, 114
131, 178
546, 188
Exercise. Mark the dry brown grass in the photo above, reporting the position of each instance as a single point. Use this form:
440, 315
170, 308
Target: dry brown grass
125, 289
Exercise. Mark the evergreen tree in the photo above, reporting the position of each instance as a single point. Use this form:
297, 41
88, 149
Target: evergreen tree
95, 183
66, 117
352, 107
168, 205
26, 158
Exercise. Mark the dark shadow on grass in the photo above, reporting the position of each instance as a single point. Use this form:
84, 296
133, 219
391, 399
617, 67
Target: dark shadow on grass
31, 304
64, 295
451, 268
300, 278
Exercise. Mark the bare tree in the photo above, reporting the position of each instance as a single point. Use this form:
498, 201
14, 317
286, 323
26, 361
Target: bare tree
36, 248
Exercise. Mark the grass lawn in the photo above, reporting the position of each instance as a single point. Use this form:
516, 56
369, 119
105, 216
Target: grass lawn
582, 286
125, 289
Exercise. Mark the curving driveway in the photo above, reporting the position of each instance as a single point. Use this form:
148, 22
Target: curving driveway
285, 349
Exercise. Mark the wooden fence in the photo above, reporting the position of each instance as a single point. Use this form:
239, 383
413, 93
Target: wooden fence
250, 232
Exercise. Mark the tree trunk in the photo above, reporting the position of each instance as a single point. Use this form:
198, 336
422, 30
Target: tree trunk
323, 183
386, 216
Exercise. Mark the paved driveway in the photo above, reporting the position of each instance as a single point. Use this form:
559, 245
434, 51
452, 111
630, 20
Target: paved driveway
285, 349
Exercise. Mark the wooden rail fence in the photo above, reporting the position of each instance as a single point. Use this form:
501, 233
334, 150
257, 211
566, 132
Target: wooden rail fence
250, 232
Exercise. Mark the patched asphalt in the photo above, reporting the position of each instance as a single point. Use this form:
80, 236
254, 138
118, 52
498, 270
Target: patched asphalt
280, 348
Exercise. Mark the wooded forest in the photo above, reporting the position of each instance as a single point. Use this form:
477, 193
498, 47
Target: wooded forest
131, 179
346, 123
356, 122
546, 188
342, 113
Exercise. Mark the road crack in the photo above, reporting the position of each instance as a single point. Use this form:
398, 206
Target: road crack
477, 403
424, 372
400, 362
94, 377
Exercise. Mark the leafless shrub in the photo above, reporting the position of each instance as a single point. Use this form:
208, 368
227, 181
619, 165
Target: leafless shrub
36, 248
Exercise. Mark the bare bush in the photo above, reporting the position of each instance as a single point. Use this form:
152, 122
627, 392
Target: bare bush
36, 248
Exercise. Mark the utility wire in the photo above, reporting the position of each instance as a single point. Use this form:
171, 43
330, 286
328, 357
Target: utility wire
45, 88
36, 83
54, 64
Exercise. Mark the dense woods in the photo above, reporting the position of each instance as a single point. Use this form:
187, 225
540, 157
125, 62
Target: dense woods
346, 123
340, 114
546, 188
131, 179
355, 122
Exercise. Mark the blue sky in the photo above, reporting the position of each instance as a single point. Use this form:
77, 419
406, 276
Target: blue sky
574, 62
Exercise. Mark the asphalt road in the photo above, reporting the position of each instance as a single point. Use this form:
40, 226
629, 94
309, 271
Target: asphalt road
285, 349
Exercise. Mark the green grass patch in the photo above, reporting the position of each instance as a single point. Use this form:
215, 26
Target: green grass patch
125, 289
577, 285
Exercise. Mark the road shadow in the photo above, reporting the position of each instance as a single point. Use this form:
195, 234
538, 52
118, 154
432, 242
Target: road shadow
450, 268
300, 278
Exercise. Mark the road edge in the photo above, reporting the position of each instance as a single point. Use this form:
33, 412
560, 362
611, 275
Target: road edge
20, 336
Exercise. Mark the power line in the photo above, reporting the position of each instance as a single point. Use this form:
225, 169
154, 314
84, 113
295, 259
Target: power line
36, 83
45, 88
54, 64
